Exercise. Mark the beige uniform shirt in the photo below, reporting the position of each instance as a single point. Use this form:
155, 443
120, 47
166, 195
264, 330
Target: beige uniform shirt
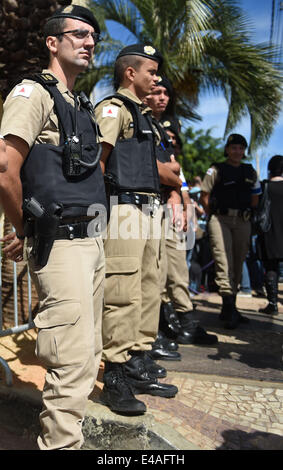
29, 113
209, 179
211, 176
115, 120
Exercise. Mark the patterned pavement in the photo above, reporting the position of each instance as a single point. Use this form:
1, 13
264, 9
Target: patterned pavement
230, 396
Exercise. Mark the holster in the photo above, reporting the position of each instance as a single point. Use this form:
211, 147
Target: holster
45, 230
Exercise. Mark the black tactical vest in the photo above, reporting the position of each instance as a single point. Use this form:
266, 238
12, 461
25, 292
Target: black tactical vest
43, 175
132, 165
233, 189
165, 149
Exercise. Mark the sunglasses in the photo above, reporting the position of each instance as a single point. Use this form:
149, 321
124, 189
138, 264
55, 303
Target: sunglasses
82, 34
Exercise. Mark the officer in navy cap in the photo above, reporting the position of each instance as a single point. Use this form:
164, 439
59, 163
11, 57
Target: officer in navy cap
133, 175
46, 126
236, 139
230, 190
176, 312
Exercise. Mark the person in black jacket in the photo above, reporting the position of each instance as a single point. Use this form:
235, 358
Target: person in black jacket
270, 243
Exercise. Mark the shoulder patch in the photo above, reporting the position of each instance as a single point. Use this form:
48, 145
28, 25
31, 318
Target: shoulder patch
210, 171
23, 90
110, 111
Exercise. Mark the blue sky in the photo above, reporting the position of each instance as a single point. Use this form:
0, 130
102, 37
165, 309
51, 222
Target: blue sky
213, 108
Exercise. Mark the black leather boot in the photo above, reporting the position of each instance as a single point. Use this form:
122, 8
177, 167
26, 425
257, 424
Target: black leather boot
153, 369
168, 320
271, 285
192, 333
229, 314
158, 352
116, 392
168, 343
141, 382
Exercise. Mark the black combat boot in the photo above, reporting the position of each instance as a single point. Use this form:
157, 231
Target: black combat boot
271, 285
160, 352
116, 392
153, 369
229, 314
191, 333
168, 320
141, 383
167, 343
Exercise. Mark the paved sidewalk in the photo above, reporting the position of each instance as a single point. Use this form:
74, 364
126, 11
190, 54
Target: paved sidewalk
230, 396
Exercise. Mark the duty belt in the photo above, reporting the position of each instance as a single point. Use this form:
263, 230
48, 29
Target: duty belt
244, 213
71, 230
153, 202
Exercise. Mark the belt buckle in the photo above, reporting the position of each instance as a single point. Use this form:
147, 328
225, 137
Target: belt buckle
71, 230
154, 205
246, 214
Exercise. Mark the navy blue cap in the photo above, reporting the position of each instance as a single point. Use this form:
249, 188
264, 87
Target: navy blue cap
165, 82
236, 139
77, 13
172, 123
142, 50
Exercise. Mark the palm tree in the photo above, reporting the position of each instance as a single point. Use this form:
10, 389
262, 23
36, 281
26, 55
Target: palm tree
206, 46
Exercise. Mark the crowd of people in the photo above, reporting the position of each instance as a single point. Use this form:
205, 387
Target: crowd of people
107, 222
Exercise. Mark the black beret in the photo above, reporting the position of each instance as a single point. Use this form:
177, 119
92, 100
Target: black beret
142, 50
77, 13
236, 139
163, 81
172, 123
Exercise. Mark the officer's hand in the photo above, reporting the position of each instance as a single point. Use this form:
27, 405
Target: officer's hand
175, 204
13, 247
185, 219
173, 165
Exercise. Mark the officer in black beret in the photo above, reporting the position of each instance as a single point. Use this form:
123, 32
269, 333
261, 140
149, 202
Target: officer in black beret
176, 312
46, 127
229, 190
131, 295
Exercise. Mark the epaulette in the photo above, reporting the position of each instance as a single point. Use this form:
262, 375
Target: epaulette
44, 78
116, 101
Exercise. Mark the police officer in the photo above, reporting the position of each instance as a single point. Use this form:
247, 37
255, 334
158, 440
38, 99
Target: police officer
229, 191
176, 313
131, 299
53, 158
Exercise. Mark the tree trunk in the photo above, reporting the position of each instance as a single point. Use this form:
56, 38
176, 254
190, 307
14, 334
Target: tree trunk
22, 48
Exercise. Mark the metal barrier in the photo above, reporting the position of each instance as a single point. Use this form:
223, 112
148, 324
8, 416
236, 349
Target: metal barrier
16, 328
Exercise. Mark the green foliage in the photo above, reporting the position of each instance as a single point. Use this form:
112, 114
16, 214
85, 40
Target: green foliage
199, 151
206, 47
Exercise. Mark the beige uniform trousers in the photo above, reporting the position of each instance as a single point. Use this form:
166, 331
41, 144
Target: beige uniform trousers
229, 240
174, 273
69, 343
132, 296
